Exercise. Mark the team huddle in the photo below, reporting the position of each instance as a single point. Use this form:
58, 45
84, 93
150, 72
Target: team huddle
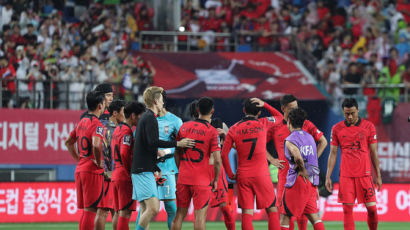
167, 160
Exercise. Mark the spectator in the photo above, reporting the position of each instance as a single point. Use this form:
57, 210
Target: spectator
352, 77
6, 14
30, 37
7, 74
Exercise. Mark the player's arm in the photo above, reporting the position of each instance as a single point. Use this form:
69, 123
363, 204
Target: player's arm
300, 166
330, 166
217, 168
177, 156
225, 156
376, 164
274, 112
97, 150
321, 145
69, 143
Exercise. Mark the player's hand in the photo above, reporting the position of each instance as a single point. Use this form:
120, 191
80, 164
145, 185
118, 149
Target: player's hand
186, 143
278, 163
304, 174
221, 132
328, 184
161, 153
379, 183
258, 101
214, 185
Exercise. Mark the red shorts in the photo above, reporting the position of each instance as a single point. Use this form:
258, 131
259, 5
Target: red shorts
361, 188
261, 187
200, 195
220, 195
122, 195
300, 199
106, 201
90, 189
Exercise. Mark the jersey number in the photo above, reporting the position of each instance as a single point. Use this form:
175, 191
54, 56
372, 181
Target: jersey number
117, 155
253, 140
85, 145
200, 152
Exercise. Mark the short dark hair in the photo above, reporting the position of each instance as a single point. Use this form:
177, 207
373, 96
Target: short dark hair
116, 105
286, 99
297, 117
104, 88
94, 98
349, 103
164, 98
251, 108
205, 105
192, 109
133, 108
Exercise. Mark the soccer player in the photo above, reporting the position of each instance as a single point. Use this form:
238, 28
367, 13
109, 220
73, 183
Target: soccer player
110, 118
278, 134
145, 152
121, 146
219, 197
89, 181
357, 139
168, 125
193, 164
253, 179
300, 195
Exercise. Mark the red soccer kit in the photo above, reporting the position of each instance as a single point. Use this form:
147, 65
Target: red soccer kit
194, 179
221, 193
253, 178
279, 133
89, 178
355, 169
121, 146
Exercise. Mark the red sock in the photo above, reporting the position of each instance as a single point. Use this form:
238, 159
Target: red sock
123, 223
247, 221
319, 226
273, 223
348, 221
228, 218
284, 228
302, 222
87, 220
372, 217
81, 221
292, 223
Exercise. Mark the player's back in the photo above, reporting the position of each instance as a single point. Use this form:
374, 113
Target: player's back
88, 127
121, 147
249, 136
194, 163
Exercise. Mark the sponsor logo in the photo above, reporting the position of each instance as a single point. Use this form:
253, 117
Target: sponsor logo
127, 140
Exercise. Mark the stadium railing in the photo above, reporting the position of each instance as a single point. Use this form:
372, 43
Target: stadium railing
404, 94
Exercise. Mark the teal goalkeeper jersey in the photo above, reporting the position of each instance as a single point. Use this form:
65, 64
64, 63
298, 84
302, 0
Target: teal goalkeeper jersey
168, 126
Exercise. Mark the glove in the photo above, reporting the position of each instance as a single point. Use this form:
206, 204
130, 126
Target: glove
160, 181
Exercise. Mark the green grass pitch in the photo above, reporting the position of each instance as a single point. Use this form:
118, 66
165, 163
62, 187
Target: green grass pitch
209, 226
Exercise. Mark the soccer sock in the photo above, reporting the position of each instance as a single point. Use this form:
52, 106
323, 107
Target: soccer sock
139, 227
138, 217
302, 222
292, 223
247, 221
348, 221
273, 222
88, 220
123, 223
171, 209
284, 227
81, 221
372, 217
228, 218
319, 225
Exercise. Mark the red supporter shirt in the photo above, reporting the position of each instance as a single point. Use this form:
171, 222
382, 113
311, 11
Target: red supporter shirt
354, 141
280, 132
88, 127
249, 136
121, 146
194, 163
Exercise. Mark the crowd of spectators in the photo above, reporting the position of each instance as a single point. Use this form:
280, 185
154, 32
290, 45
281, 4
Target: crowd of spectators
68, 47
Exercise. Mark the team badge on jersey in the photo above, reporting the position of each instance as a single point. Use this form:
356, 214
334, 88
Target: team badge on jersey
127, 140
271, 119
166, 129
100, 131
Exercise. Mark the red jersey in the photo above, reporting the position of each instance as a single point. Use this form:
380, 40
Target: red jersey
194, 163
88, 127
280, 132
354, 141
121, 146
249, 136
